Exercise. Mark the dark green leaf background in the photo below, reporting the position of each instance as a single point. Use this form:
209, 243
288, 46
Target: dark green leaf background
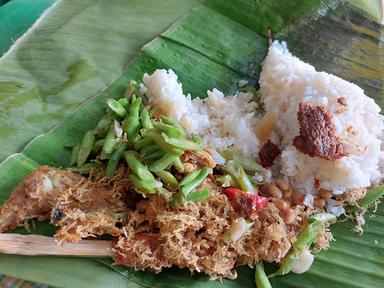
77, 57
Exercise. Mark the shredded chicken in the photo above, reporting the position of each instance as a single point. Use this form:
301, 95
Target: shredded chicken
150, 233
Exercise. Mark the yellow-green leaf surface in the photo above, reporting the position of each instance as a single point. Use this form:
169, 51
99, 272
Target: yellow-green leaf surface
214, 45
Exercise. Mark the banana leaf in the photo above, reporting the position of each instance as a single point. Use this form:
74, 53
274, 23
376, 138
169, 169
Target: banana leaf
214, 45
16, 17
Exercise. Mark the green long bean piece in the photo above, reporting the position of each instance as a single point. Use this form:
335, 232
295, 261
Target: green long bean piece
86, 168
110, 142
143, 186
145, 119
190, 177
371, 197
169, 121
138, 168
181, 143
114, 160
316, 224
85, 147
178, 164
240, 177
247, 163
204, 172
116, 107
168, 178
198, 195
130, 89
98, 146
74, 155
149, 149
155, 155
163, 162
143, 142
131, 125
261, 278
170, 130
159, 140
103, 126
124, 102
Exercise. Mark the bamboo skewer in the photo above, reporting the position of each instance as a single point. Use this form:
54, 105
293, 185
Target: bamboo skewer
43, 245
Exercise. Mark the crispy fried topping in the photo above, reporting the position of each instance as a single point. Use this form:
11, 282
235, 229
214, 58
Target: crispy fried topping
268, 153
317, 133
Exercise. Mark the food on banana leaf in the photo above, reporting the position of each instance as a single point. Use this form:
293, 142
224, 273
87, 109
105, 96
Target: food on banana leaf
212, 184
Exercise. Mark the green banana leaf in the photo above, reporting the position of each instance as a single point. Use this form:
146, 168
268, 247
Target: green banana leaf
16, 17
214, 45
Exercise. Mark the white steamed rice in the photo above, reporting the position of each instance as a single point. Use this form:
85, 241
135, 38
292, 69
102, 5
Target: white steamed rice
284, 82
222, 122
228, 122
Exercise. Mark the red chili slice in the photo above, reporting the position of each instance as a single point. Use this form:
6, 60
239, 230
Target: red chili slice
245, 204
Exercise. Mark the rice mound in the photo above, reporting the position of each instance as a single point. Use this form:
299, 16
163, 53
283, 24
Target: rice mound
222, 122
285, 81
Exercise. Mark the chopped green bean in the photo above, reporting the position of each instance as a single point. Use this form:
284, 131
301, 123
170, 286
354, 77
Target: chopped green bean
239, 175
190, 177
163, 162
131, 125
124, 102
179, 165
169, 121
170, 130
323, 217
159, 140
308, 235
98, 146
145, 119
261, 278
110, 142
85, 147
226, 181
138, 168
142, 142
149, 149
116, 107
86, 168
181, 143
371, 197
74, 155
247, 163
167, 178
315, 225
144, 186
186, 189
197, 139
114, 160
155, 155
103, 126
199, 195
130, 89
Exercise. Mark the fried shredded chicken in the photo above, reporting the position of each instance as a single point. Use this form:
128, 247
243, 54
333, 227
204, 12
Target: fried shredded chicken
149, 232
79, 207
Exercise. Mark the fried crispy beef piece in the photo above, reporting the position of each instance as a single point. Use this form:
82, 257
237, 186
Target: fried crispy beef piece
317, 133
268, 153
80, 207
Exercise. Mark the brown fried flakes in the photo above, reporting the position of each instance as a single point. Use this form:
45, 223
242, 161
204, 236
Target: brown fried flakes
191, 236
317, 133
268, 153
